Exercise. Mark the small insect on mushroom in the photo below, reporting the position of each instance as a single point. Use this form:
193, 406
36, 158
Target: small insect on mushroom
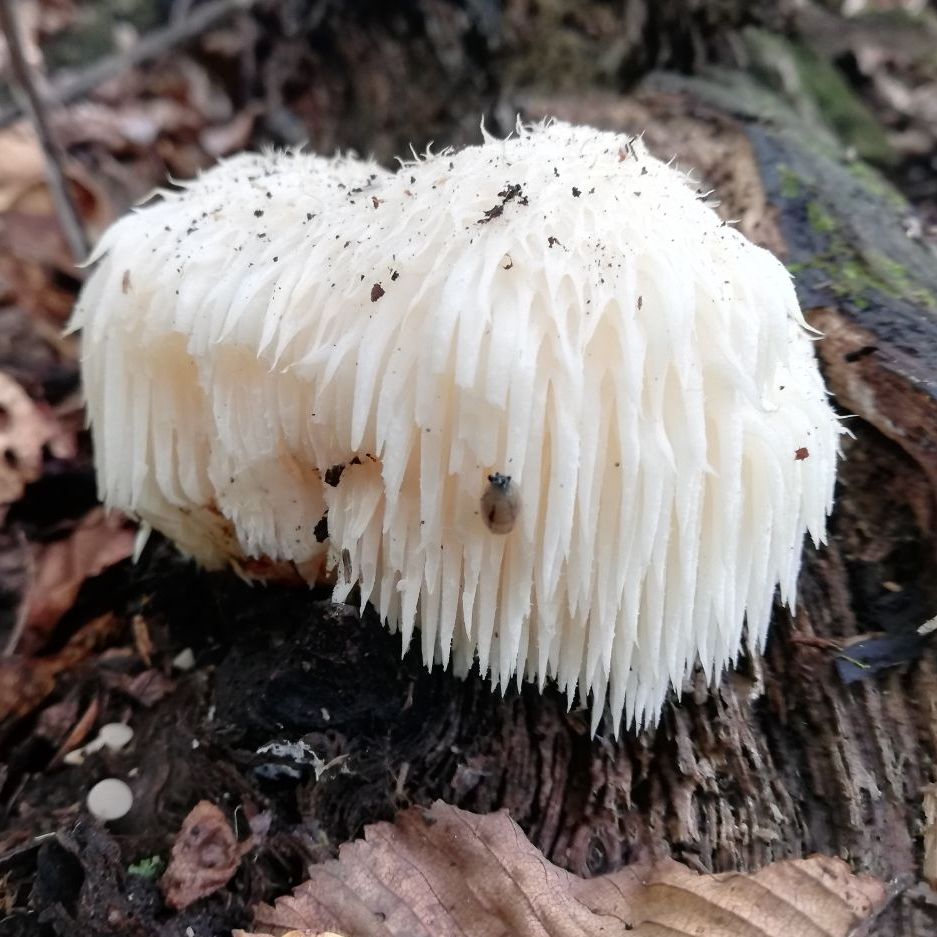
500, 504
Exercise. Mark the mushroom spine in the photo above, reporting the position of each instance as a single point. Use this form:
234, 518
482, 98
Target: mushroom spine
290, 338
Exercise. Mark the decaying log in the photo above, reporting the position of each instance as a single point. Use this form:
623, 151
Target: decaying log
822, 746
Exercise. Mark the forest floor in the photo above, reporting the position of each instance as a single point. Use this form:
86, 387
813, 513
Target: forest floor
196, 664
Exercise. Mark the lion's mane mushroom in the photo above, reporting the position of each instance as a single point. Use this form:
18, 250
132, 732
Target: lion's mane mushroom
291, 338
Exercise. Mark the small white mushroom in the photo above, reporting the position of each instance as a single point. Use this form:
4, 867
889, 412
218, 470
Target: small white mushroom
113, 736
642, 371
184, 660
110, 799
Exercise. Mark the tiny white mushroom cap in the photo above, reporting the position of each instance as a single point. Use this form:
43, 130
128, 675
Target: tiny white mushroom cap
110, 799
113, 736
184, 660
558, 307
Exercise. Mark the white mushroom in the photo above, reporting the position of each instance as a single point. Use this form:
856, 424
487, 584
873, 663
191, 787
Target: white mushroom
110, 799
290, 337
113, 735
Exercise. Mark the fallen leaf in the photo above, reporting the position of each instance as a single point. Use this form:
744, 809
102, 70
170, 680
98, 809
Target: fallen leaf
294, 933
22, 169
147, 688
126, 128
33, 248
815, 897
99, 541
24, 430
444, 872
25, 197
24, 188
25, 682
57, 721
205, 856
142, 640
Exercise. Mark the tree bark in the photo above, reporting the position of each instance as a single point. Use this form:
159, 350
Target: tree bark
822, 746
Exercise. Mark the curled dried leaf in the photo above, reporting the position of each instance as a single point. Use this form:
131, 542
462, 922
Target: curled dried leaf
205, 856
442, 872
25, 682
99, 541
292, 933
24, 430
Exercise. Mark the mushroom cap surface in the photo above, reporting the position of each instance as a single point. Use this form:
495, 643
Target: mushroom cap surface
290, 338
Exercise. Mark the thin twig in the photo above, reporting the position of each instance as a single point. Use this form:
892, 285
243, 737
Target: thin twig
33, 102
78, 84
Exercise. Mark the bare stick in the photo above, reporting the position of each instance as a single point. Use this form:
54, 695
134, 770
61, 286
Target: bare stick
54, 156
77, 85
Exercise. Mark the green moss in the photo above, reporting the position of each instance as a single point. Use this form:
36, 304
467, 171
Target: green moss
874, 182
846, 114
890, 271
818, 92
819, 218
847, 265
790, 184
854, 275
898, 280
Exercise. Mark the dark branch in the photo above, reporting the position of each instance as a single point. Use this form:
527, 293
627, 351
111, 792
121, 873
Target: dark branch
35, 107
80, 83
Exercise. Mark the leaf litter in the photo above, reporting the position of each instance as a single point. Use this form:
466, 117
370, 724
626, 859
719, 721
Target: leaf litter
443, 872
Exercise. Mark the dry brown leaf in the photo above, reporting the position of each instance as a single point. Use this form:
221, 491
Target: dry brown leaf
442, 872
147, 688
24, 430
293, 933
22, 169
25, 682
142, 641
205, 856
32, 245
815, 897
100, 540
133, 125
24, 189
